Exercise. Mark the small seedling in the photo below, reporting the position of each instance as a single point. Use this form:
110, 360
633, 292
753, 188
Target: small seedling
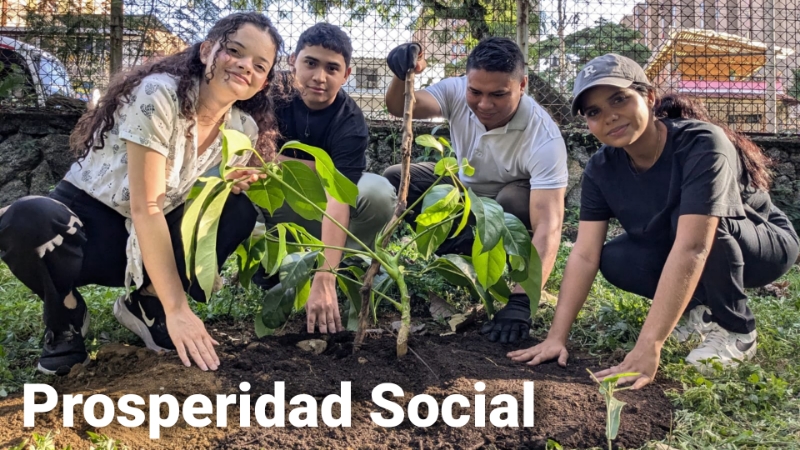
613, 406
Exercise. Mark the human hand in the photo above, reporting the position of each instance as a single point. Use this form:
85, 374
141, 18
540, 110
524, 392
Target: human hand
244, 178
189, 335
512, 323
404, 57
544, 351
643, 360
322, 308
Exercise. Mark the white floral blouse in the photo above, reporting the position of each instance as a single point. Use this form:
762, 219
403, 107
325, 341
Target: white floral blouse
152, 119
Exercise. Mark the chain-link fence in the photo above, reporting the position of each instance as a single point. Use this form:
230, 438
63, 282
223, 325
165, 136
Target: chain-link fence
741, 57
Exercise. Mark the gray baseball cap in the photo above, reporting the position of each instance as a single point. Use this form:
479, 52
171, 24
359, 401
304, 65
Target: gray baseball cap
607, 70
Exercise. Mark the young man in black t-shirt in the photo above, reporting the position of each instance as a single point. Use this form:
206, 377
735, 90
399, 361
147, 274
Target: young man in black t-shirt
318, 113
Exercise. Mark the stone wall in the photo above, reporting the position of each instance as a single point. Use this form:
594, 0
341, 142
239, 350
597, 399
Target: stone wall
34, 152
34, 155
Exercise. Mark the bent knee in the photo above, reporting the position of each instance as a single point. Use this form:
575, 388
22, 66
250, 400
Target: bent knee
392, 174
376, 193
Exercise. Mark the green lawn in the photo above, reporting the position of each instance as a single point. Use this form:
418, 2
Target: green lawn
755, 406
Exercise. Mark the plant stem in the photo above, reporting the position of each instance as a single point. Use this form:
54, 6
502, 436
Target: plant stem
405, 317
400, 208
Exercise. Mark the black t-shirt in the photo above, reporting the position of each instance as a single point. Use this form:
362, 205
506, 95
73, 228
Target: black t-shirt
339, 129
699, 172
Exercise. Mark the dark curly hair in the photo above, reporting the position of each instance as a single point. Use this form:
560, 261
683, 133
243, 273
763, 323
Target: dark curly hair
92, 128
754, 161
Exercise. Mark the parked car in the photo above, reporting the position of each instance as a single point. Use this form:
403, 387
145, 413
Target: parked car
31, 76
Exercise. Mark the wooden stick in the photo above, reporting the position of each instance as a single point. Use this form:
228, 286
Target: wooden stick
405, 177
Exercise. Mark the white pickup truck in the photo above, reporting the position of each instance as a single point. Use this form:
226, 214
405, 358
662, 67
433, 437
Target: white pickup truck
30, 76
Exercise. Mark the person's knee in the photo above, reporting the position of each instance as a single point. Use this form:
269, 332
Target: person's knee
515, 199
376, 195
16, 220
393, 173
239, 213
612, 265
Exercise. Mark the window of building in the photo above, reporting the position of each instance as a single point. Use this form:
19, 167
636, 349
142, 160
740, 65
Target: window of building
367, 78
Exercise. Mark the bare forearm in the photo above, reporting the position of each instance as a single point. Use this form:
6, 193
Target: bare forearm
546, 239
333, 235
678, 281
395, 97
578, 278
159, 259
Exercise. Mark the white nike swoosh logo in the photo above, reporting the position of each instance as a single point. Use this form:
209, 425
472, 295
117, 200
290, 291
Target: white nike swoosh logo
148, 322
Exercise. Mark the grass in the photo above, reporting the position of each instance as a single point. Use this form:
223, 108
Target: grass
755, 406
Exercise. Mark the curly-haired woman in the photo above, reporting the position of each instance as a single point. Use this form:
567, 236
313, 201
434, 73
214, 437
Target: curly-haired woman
115, 218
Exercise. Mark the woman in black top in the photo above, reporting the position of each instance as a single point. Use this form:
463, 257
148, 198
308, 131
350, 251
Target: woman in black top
699, 224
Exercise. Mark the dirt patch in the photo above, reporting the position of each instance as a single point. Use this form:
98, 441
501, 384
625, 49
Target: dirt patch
568, 407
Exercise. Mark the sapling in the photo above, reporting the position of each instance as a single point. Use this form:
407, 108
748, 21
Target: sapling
288, 250
613, 406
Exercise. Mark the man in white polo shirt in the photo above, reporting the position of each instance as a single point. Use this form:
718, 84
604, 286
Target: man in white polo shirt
516, 148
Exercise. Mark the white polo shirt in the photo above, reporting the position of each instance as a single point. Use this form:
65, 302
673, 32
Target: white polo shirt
529, 147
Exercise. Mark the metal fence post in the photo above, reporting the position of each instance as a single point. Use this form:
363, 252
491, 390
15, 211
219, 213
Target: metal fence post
769, 69
116, 36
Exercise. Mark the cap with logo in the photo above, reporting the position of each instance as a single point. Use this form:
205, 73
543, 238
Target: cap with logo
607, 70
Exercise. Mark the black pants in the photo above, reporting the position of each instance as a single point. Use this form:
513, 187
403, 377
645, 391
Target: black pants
58, 243
514, 198
744, 254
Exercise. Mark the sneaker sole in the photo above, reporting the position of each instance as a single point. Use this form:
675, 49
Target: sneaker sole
45, 371
131, 322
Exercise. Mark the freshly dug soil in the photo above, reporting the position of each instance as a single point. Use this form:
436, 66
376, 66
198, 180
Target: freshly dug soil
568, 406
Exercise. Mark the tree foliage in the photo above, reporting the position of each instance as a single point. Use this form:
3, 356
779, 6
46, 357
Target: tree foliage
590, 42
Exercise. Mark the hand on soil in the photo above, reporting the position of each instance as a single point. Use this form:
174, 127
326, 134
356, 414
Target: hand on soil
643, 360
543, 352
322, 309
189, 335
244, 178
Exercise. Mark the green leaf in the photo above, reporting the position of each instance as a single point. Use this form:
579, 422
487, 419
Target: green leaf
531, 281
612, 380
301, 235
489, 263
351, 288
446, 166
489, 219
465, 217
458, 271
516, 239
467, 168
442, 208
250, 253
428, 242
296, 269
276, 306
426, 140
337, 185
261, 329
191, 218
308, 189
614, 410
302, 295
500, 291
276, 251
233, 142
267, 194
445, 142
205, 260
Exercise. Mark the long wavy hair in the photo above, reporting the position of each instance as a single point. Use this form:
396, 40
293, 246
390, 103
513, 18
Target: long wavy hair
92, 128
754, 161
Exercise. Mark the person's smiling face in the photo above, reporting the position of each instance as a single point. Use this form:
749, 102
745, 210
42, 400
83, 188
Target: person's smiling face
494, 96
616, 116
239, 68
319, 73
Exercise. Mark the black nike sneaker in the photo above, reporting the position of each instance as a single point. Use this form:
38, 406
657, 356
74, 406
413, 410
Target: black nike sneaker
144, 315
64, 349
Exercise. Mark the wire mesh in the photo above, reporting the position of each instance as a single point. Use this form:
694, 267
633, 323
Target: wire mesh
741, 57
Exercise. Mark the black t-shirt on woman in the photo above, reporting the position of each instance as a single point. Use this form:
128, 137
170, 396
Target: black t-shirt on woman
699, 172
339, 129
